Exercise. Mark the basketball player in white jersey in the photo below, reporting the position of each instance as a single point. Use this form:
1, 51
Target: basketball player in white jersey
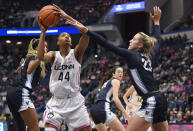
133, 103
67, 103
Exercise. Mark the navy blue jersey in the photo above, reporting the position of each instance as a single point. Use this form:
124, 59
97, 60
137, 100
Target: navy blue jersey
140, 66
28, 80
105, 94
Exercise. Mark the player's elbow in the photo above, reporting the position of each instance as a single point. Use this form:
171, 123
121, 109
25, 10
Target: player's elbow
40, 56
84, 30
29, 71
124, 97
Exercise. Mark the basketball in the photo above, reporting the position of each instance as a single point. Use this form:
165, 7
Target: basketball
47, 17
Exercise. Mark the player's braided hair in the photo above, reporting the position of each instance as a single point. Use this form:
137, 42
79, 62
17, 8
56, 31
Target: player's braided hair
108, 75
33, 52
148, 43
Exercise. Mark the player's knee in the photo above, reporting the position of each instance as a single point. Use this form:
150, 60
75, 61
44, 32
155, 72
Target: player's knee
50, 129
32, 124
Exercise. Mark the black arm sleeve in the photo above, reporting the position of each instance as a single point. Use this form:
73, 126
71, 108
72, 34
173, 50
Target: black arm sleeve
155, 48
106, 44
156, 34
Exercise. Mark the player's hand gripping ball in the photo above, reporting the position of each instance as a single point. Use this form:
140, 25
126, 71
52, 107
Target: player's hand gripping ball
47, 17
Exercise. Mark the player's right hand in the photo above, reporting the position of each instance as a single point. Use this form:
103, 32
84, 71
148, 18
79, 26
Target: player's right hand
156, 14
42, 27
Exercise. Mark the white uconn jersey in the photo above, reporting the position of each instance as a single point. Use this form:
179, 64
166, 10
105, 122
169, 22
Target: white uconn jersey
65, 75
135, 99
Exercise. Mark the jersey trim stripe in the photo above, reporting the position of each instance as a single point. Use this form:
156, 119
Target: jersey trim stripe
138, 80
109, 94
107, 110
154, 104
29, 80
21, 99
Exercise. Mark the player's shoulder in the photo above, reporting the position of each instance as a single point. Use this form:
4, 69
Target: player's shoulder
135, 55
52, 53
114, 80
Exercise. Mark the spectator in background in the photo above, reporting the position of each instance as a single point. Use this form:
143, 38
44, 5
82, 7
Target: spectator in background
2, 117
179, 118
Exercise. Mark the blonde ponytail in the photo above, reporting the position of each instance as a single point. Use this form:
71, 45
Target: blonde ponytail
43, 71
32, 52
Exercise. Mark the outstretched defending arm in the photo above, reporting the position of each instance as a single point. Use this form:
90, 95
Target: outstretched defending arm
106, 44
42, 55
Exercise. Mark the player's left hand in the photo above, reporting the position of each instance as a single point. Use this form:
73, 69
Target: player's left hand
60, 12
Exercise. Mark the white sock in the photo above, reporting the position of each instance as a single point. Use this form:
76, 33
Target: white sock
50, 129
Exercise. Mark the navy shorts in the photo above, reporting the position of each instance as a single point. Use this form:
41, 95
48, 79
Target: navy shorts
18, 99
101, 113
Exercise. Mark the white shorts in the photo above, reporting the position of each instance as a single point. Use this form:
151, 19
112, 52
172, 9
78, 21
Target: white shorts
72, 110
148, 110
26, 101
133, 110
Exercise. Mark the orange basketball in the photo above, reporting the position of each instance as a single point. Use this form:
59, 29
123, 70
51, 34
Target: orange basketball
47, 17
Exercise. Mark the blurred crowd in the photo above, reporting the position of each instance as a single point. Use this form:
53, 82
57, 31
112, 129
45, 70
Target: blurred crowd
175, 74
86, 11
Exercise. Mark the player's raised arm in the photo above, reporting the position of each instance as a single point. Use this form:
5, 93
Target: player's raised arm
81, 47
42, 54
156, 30
84, 40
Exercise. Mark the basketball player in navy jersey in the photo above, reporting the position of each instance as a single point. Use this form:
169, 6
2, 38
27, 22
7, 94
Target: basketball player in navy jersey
67, 102
140, 56
19, 96
109, 91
